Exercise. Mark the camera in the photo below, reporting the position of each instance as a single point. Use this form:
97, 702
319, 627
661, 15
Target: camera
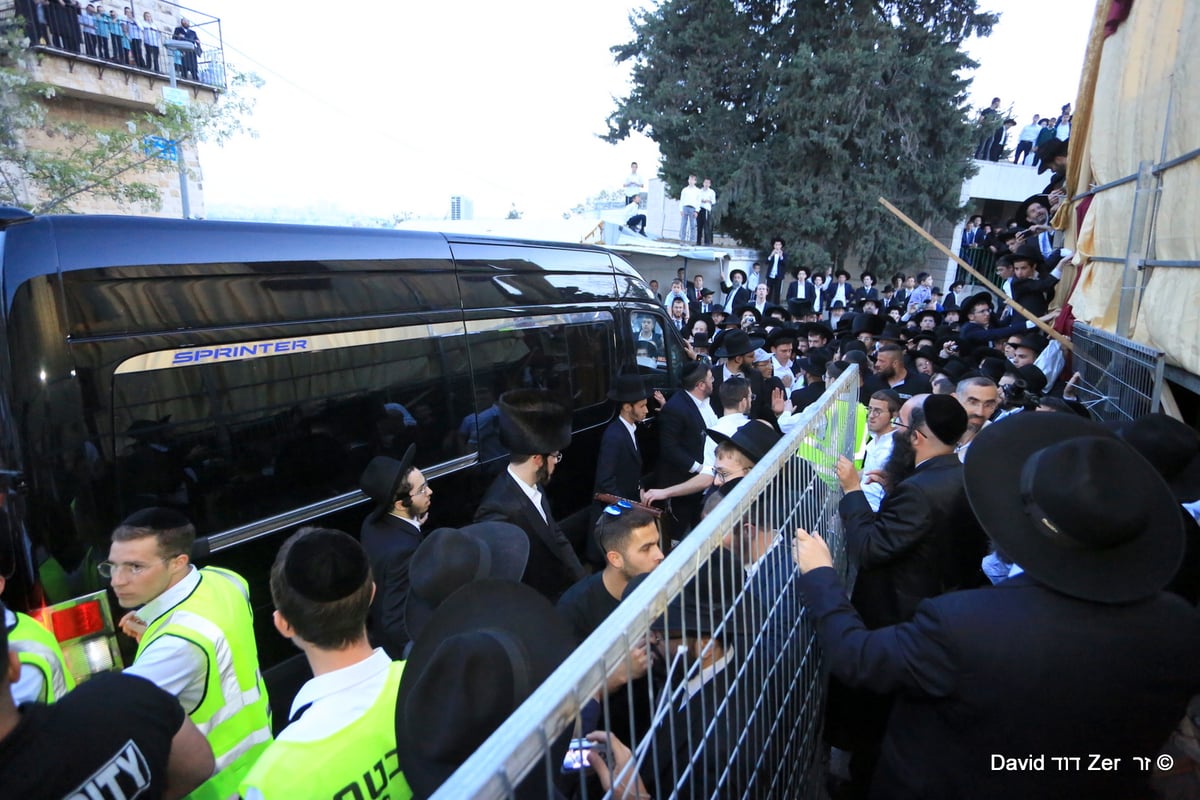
1018, 394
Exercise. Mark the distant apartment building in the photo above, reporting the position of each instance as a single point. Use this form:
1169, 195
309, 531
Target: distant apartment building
105, 72
461, 207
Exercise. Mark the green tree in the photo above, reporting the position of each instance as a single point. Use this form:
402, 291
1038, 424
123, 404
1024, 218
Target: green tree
804, 112
87, 161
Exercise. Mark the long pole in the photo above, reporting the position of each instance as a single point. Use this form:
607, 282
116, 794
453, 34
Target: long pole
1020, 309
183, 185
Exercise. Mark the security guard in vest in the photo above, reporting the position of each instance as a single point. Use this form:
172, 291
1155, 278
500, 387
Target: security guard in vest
195, 633
44, 675
340, 741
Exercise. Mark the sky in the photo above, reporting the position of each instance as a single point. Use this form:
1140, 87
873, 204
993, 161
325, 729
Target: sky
394, 108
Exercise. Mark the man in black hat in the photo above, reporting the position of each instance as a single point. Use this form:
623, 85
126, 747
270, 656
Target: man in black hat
1026, 349
978, 330
812, 368
704, 305
619, 463
737, 349
390, 534
482, 653
736, 293
1079, 661
321, 587
535, 427
923, 541
782, 344
1028, 289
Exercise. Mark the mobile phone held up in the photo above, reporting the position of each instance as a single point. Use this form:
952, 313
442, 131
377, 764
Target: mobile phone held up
576, 758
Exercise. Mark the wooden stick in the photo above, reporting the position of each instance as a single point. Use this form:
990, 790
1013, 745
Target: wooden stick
1020, 309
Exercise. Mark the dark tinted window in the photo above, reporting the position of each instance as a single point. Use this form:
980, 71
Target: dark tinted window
232, 439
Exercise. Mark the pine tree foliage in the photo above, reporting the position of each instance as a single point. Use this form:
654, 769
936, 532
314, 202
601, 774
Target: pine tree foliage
805, 111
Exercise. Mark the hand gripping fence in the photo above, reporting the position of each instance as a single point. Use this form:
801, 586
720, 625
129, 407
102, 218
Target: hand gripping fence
733, 707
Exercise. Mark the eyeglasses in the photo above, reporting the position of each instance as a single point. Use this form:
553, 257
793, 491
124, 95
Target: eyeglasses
875, 412
108, 569
723, 475
420, 490
896, 421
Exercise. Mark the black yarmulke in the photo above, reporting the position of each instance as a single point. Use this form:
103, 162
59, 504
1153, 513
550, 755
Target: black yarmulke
326, 565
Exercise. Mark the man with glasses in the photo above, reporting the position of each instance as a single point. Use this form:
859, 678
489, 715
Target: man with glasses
535, 427
923, 541
978, 331
882, 408
195, 633
390, 534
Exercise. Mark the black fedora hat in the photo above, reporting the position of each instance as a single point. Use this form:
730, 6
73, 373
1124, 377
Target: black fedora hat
628, 388
1028, 251
737, 271
820, 328
741, 310
382, 476
782, 335
450, 558
814, 363
736, 343
1075, 507
754, 439
533, 421
891, 332
481, 654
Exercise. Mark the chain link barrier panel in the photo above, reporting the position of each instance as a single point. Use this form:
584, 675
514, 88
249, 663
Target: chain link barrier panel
1122, 379
734, 707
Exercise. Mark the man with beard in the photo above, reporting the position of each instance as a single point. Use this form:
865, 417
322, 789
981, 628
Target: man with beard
535, 426
980, 397
681, 430
891, 372
923, 541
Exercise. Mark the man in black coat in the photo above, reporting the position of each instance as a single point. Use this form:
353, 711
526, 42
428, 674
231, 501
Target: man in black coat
736, 293
682, 430
737, 349
1022, 690
535, 427
390, 535
923, 541
978, 331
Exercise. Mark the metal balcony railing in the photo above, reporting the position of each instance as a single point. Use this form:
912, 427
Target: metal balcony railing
135, 44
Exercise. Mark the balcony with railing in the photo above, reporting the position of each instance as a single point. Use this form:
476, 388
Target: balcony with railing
121, 57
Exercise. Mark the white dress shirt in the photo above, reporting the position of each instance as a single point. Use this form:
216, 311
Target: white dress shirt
173, 664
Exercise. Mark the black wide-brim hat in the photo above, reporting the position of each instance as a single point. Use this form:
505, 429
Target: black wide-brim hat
450, 558
1075, 507
736, 343
382, 477
754, 439
800, 308
628, 388
1172, 447
740, 310
928, 312
1048, 152
482, 653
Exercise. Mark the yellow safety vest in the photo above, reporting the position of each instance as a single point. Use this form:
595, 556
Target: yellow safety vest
234, 714
36, 647
358, 761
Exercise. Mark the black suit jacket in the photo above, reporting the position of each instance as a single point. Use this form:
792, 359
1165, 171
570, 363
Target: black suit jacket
1015, 670
390, 543
760, 407
681, 435
619, 466
553, 564
794, 293
924, 541
741, 296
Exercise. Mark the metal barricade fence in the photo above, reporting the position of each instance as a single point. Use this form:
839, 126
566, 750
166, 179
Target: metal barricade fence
1122, 379
733, 707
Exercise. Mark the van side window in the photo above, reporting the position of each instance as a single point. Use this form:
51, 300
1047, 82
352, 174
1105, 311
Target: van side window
230, 437
648, 339
568, 354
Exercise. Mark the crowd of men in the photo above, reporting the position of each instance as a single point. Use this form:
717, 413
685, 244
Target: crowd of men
1034, 141
120, 38
1008, 601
